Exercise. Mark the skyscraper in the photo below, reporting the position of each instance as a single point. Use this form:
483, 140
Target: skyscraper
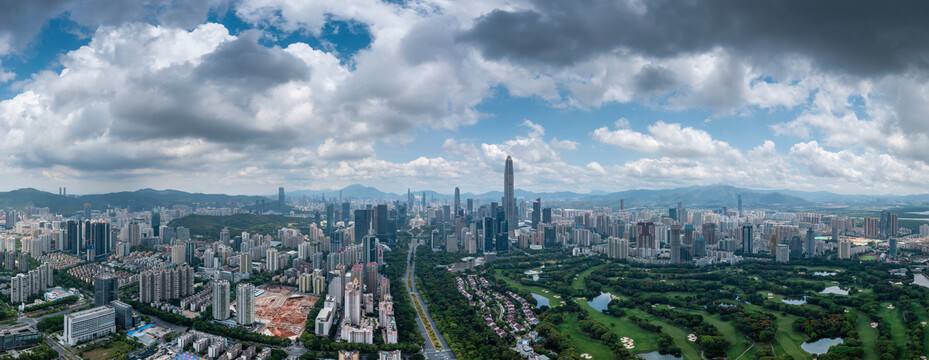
364, 219
280, 199
457, 202
536, 212
106, 289
810, 243
221, 300
245, 304
509, 199
156, 223
676, 244
740, 204
747, 239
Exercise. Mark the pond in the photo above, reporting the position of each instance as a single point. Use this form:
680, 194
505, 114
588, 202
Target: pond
540, 300
820, 346
921, 280
654, 355
794, 301
834, 290
824, 273
600, 302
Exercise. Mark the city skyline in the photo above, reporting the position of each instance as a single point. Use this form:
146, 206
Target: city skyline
181, 95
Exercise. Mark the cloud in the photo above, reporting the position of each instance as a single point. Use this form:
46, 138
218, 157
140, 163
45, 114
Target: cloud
346, 150
828, 32
564, 144
668, 139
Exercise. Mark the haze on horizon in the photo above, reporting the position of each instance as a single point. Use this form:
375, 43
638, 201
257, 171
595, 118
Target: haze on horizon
240, 97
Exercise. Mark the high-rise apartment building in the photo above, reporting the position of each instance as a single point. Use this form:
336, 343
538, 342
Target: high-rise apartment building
221, 291
245, 304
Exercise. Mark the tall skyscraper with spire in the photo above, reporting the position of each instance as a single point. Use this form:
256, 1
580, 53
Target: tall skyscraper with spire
509, 199
457, 202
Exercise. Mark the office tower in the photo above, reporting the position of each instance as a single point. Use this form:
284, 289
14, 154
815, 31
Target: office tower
280, 199
672, 213
87, 211
371, 279
369, 247
699, 248
106, 289
346, 212
892, 247
740, 205
681, 213
330, 218
547, 215
100, 233
675, 244
747, 239
89, 324
245, 304
772, 245
74, 232
156, 223
225, 237
782, 253
363, 223
189, 251
487, 227
221, 292
183, 234
123, 314
245, 263
382, 222
810, 243
796, 246
470, 209
457, 202
509, 198
272, 260
888, 224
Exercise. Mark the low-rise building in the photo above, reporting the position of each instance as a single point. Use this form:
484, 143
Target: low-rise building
18, 336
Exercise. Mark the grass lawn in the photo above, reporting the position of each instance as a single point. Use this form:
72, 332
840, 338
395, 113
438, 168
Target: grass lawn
894, 319
678, 334
578, 282
736, 340
644, 341
552, 301
582, 342
868, 336
786, 340
108, 352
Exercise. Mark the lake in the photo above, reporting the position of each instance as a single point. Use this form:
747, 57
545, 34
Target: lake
600, 302
654, 355
820, 346
794, 301
834, 290
921, 280
540, 300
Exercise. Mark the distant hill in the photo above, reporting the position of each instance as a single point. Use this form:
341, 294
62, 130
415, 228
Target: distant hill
143, 199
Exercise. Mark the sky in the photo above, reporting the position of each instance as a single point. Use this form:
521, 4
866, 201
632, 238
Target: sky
243, 96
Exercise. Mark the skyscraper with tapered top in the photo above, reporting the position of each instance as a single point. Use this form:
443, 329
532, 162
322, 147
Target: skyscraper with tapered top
509, 200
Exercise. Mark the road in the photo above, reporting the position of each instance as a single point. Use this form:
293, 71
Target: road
429, 350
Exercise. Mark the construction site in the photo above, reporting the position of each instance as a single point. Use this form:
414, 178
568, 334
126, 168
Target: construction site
282, 310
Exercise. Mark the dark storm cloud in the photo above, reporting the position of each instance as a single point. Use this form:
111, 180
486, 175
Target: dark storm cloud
859, 37
652, 78
245, 62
